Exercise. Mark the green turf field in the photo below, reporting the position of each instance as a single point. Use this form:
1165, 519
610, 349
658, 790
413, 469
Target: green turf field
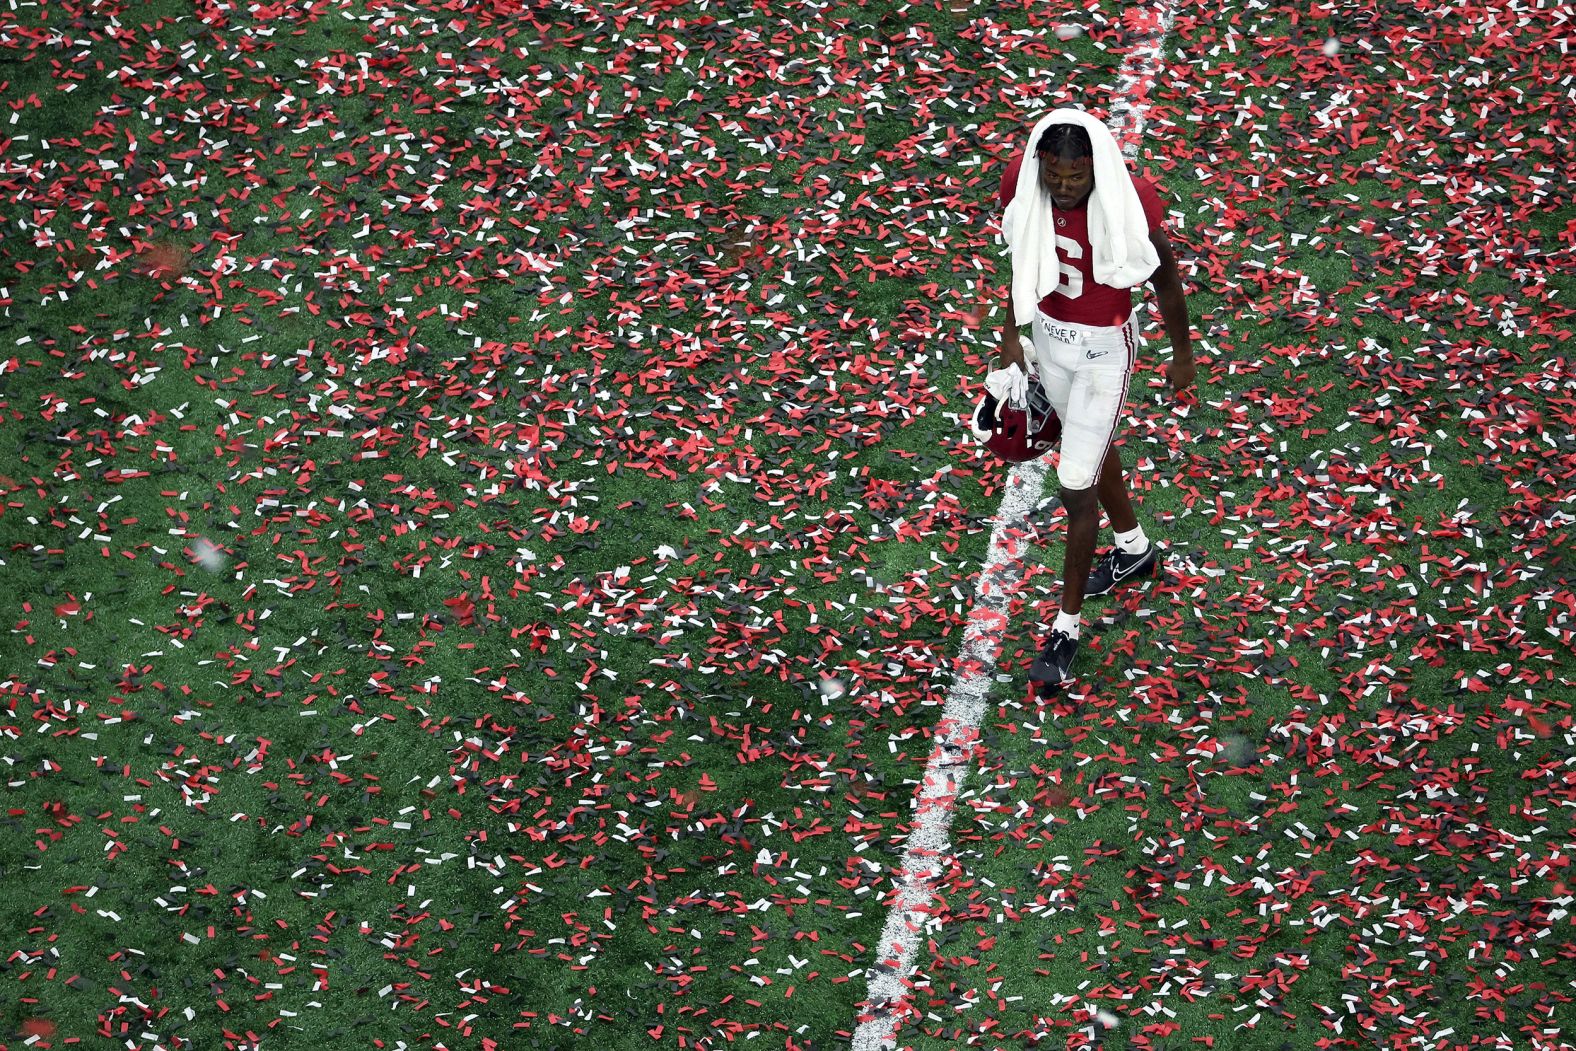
486, 531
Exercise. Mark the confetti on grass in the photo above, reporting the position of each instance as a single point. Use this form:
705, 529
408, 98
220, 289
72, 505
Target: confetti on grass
450, 449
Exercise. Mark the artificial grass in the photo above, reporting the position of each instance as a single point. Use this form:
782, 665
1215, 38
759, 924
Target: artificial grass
589, 836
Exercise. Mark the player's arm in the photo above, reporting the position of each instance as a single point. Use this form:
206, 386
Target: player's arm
1011, 343
1167, 281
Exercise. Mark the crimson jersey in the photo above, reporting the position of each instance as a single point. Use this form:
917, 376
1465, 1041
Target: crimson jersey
1079, 297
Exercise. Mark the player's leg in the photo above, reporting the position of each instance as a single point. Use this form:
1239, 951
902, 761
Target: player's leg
1083, 524
1093, 408
1114, 496
1134, 557
1113, 483
1056, 364
1089, 465
1054, 664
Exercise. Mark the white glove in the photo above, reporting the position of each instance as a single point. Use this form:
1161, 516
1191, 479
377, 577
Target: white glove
1009, 385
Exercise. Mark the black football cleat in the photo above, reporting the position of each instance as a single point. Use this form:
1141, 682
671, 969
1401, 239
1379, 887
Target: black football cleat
1054, 665
1118, 567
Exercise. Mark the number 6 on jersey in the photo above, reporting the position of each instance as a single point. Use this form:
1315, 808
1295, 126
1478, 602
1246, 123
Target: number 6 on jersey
1071, 282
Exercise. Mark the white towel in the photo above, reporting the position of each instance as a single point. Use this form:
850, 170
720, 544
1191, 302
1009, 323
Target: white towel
1029, 224
1010, 385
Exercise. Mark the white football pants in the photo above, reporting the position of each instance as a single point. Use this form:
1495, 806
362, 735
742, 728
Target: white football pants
1085, 370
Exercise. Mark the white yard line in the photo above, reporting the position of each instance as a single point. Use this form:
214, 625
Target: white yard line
929, 846
956, 735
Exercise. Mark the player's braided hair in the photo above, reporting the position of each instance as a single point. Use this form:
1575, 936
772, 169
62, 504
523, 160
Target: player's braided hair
1065, 140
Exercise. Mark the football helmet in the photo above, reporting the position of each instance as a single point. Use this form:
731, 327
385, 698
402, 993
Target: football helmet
1014, 431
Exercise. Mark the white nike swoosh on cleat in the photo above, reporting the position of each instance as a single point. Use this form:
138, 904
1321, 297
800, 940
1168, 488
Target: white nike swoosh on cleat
1117, 574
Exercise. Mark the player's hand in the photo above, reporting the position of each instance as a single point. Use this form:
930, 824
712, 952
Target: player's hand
1180, 374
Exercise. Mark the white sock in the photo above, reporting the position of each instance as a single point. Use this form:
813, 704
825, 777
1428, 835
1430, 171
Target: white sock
1133, 542
1067, 623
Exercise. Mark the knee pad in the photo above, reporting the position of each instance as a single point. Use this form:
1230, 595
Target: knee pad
1075, 477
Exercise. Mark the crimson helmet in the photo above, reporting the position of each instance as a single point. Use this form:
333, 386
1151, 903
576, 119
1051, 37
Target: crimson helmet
1017, 432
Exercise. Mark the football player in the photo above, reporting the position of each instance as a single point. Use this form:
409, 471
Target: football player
1094, 232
